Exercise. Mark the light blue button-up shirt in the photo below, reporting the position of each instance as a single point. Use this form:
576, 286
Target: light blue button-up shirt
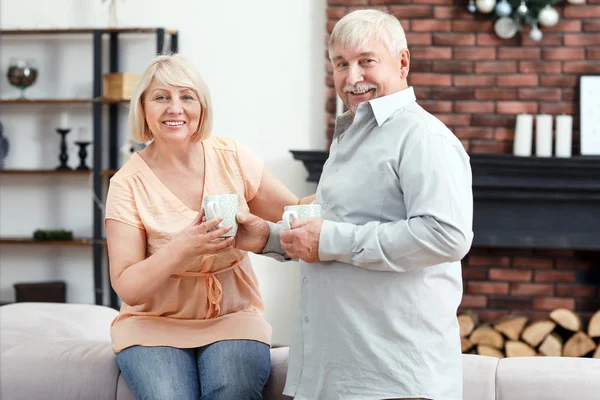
377, 315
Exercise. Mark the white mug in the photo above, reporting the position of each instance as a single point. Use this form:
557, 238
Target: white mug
225, 206
301, 211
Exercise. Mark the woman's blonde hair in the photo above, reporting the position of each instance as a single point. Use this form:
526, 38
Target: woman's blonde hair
170, 70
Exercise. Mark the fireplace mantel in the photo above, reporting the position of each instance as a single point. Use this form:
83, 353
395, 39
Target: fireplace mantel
524, 202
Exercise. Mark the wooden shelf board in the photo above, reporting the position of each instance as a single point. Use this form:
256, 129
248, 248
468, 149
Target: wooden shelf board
79, 242
80, 31
104, 172
103, 100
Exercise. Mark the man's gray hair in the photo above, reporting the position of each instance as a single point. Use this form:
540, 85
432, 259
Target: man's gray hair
363, 26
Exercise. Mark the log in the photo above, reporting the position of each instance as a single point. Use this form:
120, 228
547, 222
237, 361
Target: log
594, 325
465, 344
597, 353
511, 326
467, 321
484, 335
551, 346
566, 319
578, 345
516, 348
537, 331
484, 350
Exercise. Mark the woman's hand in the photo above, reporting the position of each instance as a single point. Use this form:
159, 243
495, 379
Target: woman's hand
198, 239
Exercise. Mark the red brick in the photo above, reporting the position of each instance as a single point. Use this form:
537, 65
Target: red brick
581, 67
487, 261
478, 80
574, 39
453, 12
491, 39
418, 79
453, 39
576, 290
549, 39
518, 53
436, 107
474, 53
336, 13
504, 134
554, 253
580, 11
496, 67
490, 315
477, 274
518, 80
565, 25
593, 53
474, 133
558, 81
470, 301
591, 26
476, 146
564, 53
473, 26
545, 67
423, 93
509, 302
419, 66
487, 288
507, 121
348, 2
496, 94
551, 303
587, 304
430, 25
452, 94
512, 275
454, 119
431, 53
435, 2
411, 11
528, 262
418, 39
462, 67
474, 106
516, 107
540, 94
579, 264
330, 26
531, 289
554, 276
466, 145
384, 2
558, 108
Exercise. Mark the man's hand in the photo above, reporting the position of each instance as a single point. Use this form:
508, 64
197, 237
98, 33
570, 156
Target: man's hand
252, 234
302, 241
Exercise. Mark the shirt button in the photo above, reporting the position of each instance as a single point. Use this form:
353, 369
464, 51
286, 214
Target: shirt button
305, 280
306, 320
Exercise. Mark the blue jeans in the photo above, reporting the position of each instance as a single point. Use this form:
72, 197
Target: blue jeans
225, 370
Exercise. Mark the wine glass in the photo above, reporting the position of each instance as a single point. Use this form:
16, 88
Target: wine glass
22, 73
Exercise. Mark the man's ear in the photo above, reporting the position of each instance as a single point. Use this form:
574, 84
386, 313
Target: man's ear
404, 58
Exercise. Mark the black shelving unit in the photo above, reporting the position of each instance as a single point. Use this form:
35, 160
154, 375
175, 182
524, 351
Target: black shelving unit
98, 104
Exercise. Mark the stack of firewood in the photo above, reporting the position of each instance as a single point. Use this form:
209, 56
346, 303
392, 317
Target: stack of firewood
562, 334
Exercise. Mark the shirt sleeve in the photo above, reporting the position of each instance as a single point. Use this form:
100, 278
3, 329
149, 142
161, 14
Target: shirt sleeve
273, 247
251, 167
120, 204
435, 176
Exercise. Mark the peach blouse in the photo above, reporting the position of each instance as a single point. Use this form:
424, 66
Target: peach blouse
218, 296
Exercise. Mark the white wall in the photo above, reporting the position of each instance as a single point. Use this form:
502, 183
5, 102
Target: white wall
264, 63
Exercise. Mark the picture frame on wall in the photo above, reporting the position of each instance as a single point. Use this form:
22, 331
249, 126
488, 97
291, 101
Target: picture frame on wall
589, 115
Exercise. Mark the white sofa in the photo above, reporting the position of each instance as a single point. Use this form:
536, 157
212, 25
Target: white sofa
62, 351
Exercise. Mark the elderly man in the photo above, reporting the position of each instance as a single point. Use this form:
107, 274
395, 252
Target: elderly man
380, 273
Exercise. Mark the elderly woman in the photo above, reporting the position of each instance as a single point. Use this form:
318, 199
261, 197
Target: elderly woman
191, 324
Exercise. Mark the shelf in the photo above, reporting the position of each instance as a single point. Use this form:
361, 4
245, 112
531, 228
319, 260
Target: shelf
29, 242
104, 172
73, 31
103, 100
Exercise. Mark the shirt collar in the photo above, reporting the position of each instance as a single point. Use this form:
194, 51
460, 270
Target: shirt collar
384, 107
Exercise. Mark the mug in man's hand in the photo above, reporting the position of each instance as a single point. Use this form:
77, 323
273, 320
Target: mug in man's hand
225, 206
300, 212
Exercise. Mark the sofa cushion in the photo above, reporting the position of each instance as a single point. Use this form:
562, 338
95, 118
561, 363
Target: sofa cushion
479, 377
548, 378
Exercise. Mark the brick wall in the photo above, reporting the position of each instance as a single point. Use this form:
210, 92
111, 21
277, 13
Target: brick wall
477, 83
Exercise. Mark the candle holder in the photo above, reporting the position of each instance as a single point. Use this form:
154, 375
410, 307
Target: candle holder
64, 156
82, 155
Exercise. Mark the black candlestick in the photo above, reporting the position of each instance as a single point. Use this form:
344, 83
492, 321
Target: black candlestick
64, 156
82, 155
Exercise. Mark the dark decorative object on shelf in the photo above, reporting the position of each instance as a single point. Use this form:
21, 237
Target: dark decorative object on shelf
82, 155
22, 74
56, 234
524, 202
64, 156
45, 292
4, 146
